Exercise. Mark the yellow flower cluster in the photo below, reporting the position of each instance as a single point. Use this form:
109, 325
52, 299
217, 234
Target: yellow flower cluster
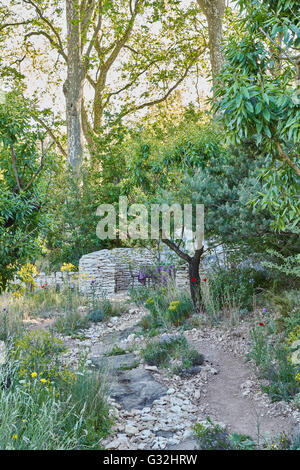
27, 273
67, 267
149, 301
174, 305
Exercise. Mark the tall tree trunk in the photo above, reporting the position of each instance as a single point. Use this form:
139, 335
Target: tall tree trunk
73, 87
214, 12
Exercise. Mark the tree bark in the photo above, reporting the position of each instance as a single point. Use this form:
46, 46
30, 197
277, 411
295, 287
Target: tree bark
214, 12
194, 276
73, 87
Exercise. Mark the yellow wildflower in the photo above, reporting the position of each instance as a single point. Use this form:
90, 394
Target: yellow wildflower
15, 436
33, 375
43, 381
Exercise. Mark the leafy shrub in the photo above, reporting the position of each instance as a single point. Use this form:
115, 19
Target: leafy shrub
116, 351
156, 354
214, 437
191, 358
36, 355
164, 310
180, 310
170, 347
96, 315
159, 352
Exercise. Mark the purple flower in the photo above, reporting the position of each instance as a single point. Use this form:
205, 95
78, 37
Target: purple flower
264, 310
93, 281
4, 309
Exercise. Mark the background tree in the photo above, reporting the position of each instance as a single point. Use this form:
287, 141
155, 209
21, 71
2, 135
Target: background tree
27, 167
258, 95
121, 57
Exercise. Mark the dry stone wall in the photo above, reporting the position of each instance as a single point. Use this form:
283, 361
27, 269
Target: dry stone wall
106, 272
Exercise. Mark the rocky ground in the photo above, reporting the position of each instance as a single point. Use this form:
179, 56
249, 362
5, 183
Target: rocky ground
154, 409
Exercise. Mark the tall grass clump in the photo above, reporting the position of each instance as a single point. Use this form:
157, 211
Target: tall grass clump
44, 405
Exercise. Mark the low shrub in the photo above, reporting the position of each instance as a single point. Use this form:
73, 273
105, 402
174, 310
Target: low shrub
173, 347
96, 315
213, 437
160, 352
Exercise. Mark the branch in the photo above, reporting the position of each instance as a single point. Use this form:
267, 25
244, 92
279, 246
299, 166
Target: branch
45, 20
166, 95
95, 34
286, 158
7, 25
50, 39
176, 249
14, 163
36, 173
278, 47
51, 133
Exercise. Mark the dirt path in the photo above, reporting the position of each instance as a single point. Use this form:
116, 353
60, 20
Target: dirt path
224, 398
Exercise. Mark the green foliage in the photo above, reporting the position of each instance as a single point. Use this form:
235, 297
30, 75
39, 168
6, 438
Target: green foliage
36, 415
103, 308
36, 352
273, 357
89, 399
190, 358
159, 353
167, 306
232, 288
96, 315
290, 265
257, 96
73, 232
116, 351
26, 169
213, 437
180, 310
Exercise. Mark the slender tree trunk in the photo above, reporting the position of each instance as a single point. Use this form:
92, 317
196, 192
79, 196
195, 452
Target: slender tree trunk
214, 12
73, 87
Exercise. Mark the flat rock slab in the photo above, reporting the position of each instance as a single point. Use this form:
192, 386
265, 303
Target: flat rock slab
136, 389
116, 363
111, 339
